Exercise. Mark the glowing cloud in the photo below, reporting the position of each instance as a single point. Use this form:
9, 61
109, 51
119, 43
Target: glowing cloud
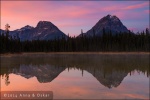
137, 6
72, 16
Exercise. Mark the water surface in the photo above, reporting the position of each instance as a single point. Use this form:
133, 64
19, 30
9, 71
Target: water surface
78, 76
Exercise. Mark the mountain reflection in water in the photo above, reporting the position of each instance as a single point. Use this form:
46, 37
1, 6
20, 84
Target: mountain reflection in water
109, 70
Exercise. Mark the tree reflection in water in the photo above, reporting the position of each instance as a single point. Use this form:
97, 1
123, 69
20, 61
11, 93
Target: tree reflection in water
108, 69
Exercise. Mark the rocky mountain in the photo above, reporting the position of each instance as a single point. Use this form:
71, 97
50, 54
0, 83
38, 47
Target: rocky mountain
107, 23
47, 31
1, 31
27, 27
24, 33
43, 31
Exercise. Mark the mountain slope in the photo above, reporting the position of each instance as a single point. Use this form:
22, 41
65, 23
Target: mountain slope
43, 31
1, 31
47, 31
107, 23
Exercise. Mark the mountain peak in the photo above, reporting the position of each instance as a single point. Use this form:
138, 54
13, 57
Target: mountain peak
44, 22
46, 25
44, 30
109, 23
109, 16
27, 27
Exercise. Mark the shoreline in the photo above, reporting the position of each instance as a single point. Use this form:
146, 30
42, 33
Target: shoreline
113, 53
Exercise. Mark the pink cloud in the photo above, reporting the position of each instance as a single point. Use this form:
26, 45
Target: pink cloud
134, 29
50, 13
66, 14
70, 24
137, 6
110, 8
129, 15
147, 11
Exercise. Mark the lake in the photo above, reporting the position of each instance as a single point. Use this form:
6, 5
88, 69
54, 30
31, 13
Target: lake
79, 75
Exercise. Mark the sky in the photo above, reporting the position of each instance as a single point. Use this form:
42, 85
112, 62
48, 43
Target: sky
72, 16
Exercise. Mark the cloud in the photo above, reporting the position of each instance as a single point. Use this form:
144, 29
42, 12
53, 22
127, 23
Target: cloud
137, 6
110, 8
147, 11
69, 15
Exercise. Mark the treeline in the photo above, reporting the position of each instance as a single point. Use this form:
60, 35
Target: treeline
127, 42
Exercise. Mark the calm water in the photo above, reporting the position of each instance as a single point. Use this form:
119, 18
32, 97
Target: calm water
78, 76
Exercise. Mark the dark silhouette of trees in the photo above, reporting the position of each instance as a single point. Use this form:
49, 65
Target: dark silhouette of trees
106, 42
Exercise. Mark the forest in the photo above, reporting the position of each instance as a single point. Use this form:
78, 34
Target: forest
108, 42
